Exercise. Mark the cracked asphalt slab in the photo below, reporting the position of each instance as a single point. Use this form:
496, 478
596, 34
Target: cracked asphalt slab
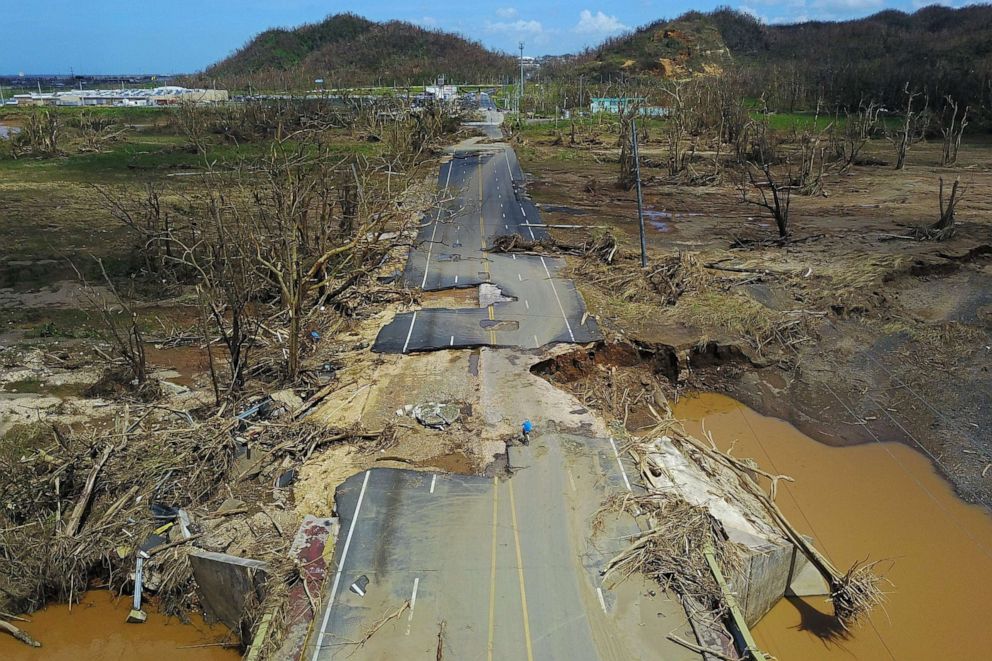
482, 185
510, 566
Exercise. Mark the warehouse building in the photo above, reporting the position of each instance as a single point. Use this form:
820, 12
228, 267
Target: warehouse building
159, 96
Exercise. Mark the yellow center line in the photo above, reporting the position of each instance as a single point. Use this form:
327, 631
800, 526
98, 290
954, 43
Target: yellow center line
492, 572
520, 574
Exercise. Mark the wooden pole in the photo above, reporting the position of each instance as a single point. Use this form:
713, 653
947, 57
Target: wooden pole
640, 201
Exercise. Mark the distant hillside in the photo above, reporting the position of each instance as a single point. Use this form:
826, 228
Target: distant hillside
942, 50
690, 44
347, 49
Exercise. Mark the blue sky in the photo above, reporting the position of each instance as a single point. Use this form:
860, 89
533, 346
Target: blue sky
131, 36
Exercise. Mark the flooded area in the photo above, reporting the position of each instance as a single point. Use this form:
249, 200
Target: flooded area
7, 130
95, 630
880, 501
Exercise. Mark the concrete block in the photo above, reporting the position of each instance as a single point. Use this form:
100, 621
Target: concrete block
807, 582
226, 583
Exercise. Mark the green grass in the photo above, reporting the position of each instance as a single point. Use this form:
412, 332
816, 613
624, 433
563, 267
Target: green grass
123, 114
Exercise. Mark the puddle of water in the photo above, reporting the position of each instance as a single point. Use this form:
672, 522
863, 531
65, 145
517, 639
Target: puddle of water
95, 630
188, 361
875, 501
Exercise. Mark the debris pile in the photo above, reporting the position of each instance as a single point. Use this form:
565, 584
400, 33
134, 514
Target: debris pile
126, 506
701, 499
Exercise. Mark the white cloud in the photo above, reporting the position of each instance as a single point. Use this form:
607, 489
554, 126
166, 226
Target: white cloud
515, 27
847, 5
598, 23
507, 12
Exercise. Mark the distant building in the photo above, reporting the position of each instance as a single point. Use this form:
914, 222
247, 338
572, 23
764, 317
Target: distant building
442, 92
159, 96
613, 105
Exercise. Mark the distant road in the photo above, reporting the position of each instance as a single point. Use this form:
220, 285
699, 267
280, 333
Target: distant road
486, 200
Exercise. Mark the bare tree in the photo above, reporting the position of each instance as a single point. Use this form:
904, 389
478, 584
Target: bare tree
41, 134
857, 131
913, 127
152, 224
192, 122
944, 227
812, 157
952, 129
121, 325
774, 196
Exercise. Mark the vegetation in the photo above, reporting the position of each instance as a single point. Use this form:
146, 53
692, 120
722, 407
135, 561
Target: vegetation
938, 51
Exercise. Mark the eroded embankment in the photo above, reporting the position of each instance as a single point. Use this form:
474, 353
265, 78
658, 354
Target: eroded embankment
880, 500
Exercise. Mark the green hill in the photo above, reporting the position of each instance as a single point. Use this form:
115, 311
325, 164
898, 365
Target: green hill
936, 49
348, 50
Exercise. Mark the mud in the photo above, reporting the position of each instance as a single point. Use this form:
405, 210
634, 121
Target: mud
95, 630
184, 364
880, 500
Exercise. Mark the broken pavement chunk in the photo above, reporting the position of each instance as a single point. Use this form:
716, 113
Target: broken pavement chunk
436, 415
360, 586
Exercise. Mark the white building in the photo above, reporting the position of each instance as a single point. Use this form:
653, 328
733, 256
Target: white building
159, 96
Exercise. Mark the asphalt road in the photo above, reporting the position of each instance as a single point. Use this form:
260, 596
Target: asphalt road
431, 566
485, 199
508, 566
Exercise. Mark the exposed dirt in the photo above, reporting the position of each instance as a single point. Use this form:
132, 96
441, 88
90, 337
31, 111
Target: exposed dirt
848, 336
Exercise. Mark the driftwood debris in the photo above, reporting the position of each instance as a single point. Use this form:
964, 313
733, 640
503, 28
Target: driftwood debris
18, 634
76, 518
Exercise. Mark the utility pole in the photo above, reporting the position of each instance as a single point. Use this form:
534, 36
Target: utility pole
640, 201
520, 92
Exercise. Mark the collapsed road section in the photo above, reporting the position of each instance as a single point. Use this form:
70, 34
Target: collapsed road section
483, 199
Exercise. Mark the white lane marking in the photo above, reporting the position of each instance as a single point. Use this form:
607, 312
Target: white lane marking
433, 481
506, 153
557, 298
602, 601
623, 471
571, 481
537, 345
529, 228
505, 226
514, 256
451, 342
526, 304
413, 598
413, 604
413, 320
520, 278
337, 577
437, 219
456, 279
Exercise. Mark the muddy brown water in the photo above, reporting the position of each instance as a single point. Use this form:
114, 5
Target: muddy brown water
876, 501
95, 630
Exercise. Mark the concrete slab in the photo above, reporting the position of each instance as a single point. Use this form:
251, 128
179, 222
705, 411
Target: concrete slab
225, 584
